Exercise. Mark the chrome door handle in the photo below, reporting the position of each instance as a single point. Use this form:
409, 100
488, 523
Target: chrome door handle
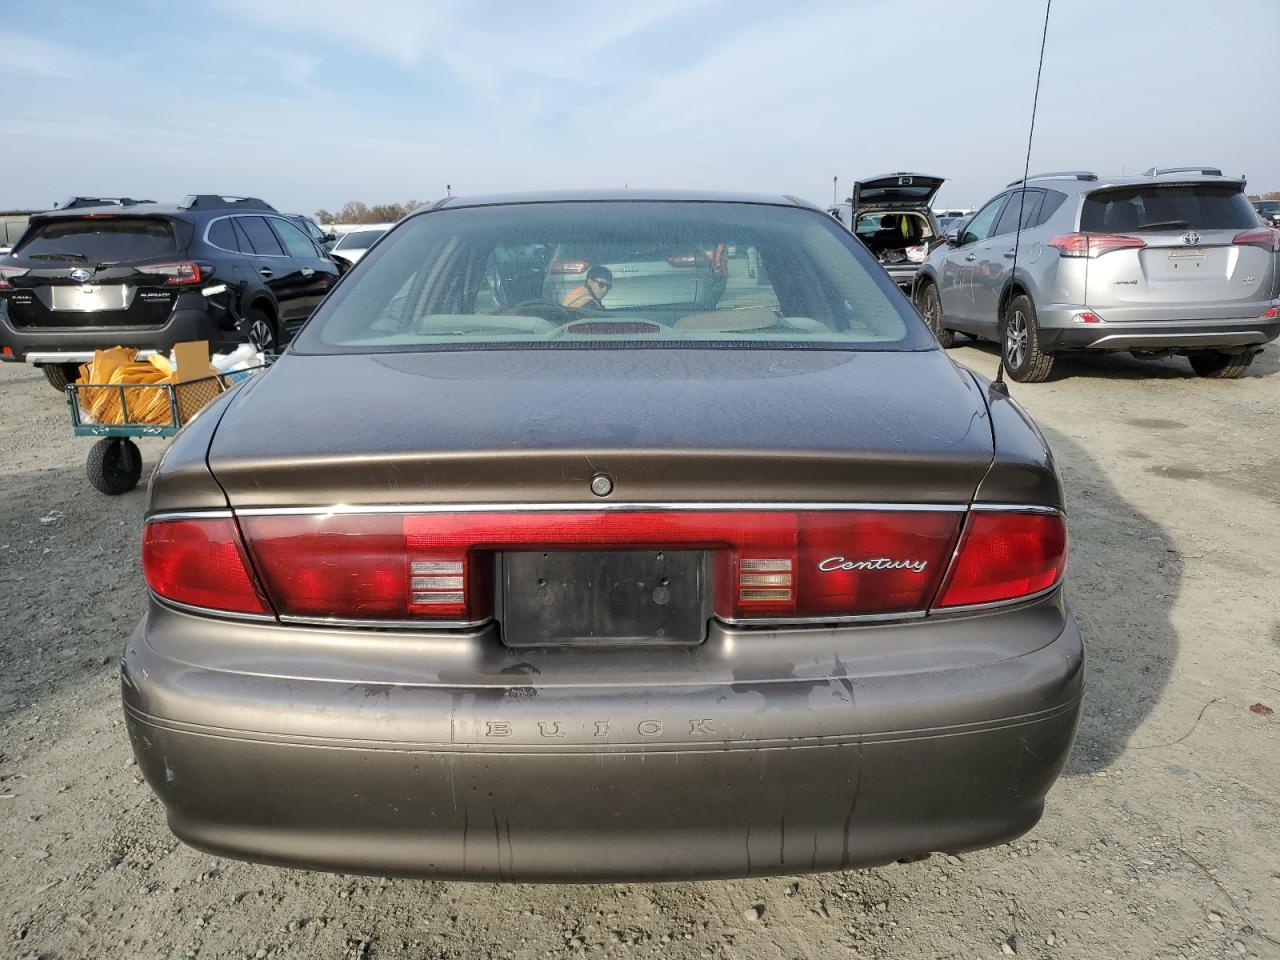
266, 273
971, 257
1008, 255
308, 272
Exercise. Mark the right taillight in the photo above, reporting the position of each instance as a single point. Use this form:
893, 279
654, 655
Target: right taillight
1264, 237
1005, 556
1093, 244
201, 563
569, 266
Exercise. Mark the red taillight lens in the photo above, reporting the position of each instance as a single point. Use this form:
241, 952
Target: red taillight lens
1093, 244
200, 563
11, 273
569, 266
437, 567
1271, 313
1003, 556
687, 259
1264, 237
176, 274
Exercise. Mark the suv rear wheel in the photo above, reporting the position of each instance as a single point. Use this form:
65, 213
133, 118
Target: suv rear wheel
60, 374
1020, 343
1221, 366
261, 330
929, 304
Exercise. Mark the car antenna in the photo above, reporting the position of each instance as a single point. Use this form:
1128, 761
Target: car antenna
998, 383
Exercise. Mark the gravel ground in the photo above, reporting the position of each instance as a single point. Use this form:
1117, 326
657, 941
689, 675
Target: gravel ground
1160, 841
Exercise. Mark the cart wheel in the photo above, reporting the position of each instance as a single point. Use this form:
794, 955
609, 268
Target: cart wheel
114, 465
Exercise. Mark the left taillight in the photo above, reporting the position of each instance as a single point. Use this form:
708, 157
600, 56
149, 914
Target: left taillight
1005, 556
201, 563
11, 273
178, 274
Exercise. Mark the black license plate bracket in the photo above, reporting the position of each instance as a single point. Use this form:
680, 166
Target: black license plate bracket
602, 597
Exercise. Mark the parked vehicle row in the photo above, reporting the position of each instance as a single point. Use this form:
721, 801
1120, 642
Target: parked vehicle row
148, 275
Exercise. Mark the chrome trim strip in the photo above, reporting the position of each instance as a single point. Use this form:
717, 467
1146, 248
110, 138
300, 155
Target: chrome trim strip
338, 622
1016, 508
209, 612
810, 621
345, 509
63, 356
998, 604
1226, 337
191, 515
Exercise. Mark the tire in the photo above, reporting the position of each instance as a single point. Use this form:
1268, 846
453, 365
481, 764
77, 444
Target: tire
1020, 343
1220, 366
929, 303
114, 465
60, 374
261, 331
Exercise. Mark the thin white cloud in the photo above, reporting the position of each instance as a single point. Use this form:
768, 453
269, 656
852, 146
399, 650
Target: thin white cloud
28, 55
485, 43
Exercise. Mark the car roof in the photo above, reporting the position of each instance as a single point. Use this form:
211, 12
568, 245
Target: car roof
598, 196
1083, 182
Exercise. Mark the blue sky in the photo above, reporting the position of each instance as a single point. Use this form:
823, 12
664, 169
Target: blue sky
310, 103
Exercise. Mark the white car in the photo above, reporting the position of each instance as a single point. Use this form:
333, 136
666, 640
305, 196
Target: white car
352, 245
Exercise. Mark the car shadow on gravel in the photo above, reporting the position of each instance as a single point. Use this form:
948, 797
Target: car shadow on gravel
1125, 366
1123, 579
70, 581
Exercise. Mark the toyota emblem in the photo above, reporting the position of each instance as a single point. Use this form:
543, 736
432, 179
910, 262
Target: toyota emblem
1191, 238
80, 275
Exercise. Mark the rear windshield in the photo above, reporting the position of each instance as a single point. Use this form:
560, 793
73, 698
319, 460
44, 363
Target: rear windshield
1201, 206
605, 274
359, 239
99, 240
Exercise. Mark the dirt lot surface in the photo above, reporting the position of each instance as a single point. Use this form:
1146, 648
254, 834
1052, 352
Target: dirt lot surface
1160, 841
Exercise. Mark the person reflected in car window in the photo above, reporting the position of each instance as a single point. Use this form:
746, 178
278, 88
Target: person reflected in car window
590, 296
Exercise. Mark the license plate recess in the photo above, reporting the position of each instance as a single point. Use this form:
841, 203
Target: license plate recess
600, 597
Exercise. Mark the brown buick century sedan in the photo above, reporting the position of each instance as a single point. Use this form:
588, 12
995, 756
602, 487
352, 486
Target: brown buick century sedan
477, 582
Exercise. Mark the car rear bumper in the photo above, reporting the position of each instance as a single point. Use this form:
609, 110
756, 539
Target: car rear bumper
1059, 332
488, 764
38, 344
903, 274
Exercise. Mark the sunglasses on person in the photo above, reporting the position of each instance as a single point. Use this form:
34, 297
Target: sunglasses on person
604, 285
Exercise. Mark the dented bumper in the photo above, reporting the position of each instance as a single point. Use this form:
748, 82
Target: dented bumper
451, 756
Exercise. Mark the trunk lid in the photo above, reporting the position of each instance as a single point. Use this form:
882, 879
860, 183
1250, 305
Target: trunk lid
534, 427
82, 271
895, 190
1189, 259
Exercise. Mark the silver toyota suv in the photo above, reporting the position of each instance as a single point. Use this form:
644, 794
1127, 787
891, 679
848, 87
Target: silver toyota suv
1171, 262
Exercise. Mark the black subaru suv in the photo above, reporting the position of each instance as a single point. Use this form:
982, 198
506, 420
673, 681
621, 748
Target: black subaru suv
149, 275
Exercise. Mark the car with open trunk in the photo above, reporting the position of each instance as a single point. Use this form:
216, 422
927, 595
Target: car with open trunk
471, 584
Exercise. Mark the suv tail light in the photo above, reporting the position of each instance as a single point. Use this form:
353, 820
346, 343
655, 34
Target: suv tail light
1264, 237
1004, 556
179, 274
8, 273
569, 266
1094, 244
200, 563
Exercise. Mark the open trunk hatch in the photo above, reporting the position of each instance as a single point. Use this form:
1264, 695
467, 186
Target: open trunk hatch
895, 190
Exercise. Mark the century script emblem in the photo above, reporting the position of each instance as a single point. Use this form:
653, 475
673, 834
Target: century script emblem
876, 563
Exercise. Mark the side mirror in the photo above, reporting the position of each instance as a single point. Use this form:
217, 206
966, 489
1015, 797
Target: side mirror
329, 237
